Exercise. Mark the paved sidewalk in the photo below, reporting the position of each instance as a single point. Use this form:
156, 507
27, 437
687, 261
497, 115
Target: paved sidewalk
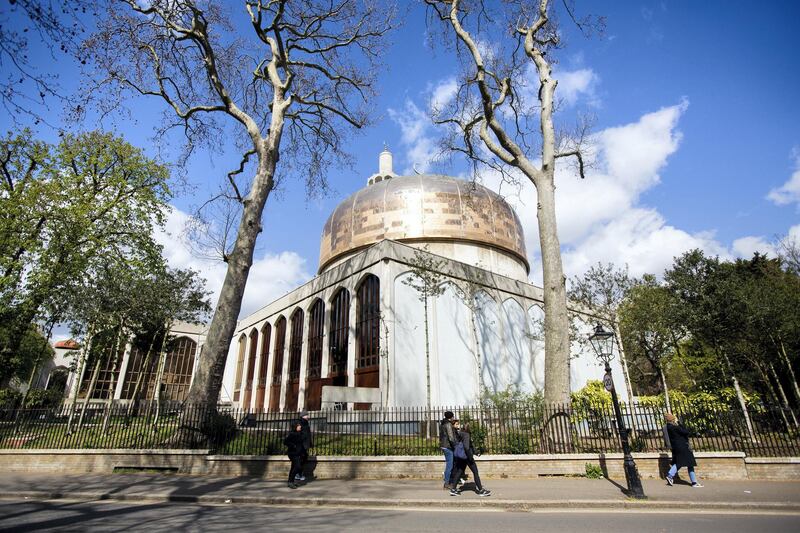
509, 494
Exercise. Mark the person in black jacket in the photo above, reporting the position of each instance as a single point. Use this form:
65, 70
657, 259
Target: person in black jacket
447, 442
462, 463
295, 450
682, 455
307, 443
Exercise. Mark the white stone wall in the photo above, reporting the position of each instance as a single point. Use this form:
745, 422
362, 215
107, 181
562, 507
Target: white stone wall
407, 378
456, 364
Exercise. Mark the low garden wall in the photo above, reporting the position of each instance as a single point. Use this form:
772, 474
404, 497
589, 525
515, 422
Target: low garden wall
711, 465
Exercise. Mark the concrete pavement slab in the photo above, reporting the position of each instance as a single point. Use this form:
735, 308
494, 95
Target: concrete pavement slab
516, 494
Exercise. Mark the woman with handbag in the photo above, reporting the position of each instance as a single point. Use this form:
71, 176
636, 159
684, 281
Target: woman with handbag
463, 457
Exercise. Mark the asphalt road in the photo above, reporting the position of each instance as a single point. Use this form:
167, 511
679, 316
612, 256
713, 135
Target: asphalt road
173, 517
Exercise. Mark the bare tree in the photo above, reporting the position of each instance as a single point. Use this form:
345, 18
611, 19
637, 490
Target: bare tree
490, 121
26, 86
284, 79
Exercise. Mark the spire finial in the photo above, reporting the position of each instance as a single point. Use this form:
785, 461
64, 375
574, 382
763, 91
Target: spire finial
385, 147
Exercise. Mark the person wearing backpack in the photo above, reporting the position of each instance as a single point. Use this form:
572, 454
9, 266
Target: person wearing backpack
463, 457
295, 450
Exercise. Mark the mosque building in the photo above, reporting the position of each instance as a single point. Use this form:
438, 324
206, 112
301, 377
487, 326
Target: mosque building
355, 334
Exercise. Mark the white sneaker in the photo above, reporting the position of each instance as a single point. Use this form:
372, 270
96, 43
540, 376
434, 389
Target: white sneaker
299, 477
669, 481
697, 486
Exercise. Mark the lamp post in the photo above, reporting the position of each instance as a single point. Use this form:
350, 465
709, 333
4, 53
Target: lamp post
603, 344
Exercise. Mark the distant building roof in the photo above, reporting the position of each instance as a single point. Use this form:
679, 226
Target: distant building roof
68, 344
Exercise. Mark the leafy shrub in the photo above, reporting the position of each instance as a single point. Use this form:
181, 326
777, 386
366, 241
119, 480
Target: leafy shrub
43, 399
594, 471
9, 398
219, 428
514, 442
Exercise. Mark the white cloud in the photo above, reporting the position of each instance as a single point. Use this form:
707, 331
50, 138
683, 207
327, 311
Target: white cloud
789, 192
576, 84
640, 238
442, 94
745, 247
416, 136
600, 218
271, 275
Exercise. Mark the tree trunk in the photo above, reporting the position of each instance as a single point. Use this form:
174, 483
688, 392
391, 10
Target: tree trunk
204, 392
784, 399
667, 403
791, 373
144, 370
162, 359
427, 355
772, 393
89, 391
113, 385
85, 350
207, 381
743, 405
625, 376
556, 320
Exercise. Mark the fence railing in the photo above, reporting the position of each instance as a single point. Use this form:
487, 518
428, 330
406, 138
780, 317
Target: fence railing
514, 429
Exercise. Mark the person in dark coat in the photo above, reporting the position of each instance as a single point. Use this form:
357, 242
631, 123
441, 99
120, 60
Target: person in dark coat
307, 443
294, 449
461, 464
447, 442
682, 455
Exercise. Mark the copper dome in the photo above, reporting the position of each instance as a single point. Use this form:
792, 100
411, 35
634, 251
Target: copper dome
421, 208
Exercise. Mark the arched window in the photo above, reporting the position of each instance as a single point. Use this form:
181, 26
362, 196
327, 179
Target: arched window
251, 369
295, 355
237, 384
262, 368
316, 336
141, 371
178, 367
339, 337
368, 316
277, 364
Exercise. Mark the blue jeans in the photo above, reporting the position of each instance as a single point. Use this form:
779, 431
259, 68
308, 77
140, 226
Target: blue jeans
673, 469
448, 464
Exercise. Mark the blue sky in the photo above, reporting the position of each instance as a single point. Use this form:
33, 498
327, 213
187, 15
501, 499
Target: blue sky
698, 135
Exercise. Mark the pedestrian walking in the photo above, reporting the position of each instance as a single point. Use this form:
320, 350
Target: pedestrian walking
294, 449
682, 455
307, 443
463, 457
447, 442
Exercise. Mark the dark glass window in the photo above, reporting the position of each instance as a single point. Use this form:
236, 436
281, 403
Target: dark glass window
316, 336
296, 345
339, 333
368, 323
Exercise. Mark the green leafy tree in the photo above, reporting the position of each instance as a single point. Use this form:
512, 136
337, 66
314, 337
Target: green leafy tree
645, 324
600, 291
64, 210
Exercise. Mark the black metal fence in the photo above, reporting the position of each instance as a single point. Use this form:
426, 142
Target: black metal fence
514, 429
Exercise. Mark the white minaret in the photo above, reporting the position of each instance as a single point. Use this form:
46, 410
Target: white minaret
385, 171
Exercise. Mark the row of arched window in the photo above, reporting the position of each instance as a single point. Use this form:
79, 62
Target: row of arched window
252, 390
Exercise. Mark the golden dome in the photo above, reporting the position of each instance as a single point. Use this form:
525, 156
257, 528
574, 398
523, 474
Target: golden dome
418, 209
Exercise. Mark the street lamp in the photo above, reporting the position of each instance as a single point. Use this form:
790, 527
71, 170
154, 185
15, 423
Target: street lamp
603, 344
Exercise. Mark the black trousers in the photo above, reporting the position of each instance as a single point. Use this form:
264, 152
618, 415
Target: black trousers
296, 468
460, 466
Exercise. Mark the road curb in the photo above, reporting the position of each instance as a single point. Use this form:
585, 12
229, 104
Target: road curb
483, 503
